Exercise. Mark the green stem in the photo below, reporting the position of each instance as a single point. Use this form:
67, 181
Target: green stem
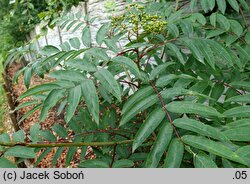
64, 144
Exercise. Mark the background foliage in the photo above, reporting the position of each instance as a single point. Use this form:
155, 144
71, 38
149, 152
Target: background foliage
175, 96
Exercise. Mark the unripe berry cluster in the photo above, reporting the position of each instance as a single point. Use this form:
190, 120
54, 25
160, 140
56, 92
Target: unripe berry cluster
137, 19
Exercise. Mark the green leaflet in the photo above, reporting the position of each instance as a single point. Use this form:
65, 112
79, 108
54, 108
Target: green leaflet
104, 93
199, 18
186, 27
213, 147
193, 108
244, 5
49, 50
60, 130
234, 4
96, 163
240, 98
57, 155
75, 43
243, 84
27, 77
81, 64
123, 163
236, 27
51, 100
211, 4
61, 107
17, 74
26, 104
193, 5
160, 145
111, 44
109, 83
19, 136
102, 33
65, 46
173, 29
174, 154
138, 156
39, 89
20, 151
220, 51
241, 111
70, 25
69, 75
47, 135
200, 128
159, 69
207, 52
238, 133
77, 27
91, 98
99, 53
86, 36
213, 33
244, 152
242, 51
150, 124
202, 160
172, 92
223, 22
166, 79
239, 123
217, 92
73, 101
194, 49
226, 163
136, 97
65, 84
128, 63
139, 107
70, 155
34, 130
222, 5
204, 5
5, 163
174, 49
65, 57
213, 19
4, 138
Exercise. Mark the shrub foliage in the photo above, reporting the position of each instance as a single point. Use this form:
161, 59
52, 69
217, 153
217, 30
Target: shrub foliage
161, 85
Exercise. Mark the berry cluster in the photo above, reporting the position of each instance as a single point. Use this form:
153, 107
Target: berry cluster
137, 19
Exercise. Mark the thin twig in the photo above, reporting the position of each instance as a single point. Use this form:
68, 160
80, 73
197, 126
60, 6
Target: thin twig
113, 157
156, 46
166, 111
229, 86
130, 83
101, 131
63, 144
146, 64
124, 51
